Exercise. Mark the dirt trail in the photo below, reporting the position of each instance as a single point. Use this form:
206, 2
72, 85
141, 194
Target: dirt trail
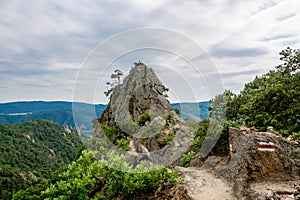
203, 185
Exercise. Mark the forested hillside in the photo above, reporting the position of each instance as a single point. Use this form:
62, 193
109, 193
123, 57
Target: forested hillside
31, 151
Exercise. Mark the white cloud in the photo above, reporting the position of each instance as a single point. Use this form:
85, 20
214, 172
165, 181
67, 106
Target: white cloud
44, 42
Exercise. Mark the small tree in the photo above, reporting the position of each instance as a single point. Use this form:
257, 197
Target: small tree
116, 80
116, 75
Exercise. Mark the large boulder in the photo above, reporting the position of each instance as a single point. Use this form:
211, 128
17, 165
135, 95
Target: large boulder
260, 157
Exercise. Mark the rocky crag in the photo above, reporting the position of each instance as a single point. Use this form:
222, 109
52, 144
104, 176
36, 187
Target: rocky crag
139, 111
139, 115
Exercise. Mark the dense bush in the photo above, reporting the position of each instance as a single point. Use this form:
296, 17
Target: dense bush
123, 143
200, 135
296, 136
272, 99
187, 158
143, 118
88, 178
170, 137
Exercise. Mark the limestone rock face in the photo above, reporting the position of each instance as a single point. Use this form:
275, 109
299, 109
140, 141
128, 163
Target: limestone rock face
254, 160
141, 91
282, 163
139, 110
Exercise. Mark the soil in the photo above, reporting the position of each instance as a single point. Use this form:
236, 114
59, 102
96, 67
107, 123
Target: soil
201, 184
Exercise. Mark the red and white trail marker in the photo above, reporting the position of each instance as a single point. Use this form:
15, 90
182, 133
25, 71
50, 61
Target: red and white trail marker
266, 146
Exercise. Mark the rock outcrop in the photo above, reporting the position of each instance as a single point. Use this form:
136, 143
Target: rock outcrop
141, 91
261, 165
139, 110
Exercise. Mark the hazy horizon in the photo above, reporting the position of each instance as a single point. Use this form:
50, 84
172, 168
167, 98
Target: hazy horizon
18, 101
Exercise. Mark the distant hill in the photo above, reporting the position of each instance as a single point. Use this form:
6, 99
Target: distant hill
61, 112
57, 111
196, 111
31, 151
38, 106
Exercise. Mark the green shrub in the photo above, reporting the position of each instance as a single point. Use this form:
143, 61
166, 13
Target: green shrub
296, 136
200, 135
177, 111
138, 63
170, 137
187, 158
109, 132
143, 118
123, 143
108, 92
113, 178
169, 116
271, 99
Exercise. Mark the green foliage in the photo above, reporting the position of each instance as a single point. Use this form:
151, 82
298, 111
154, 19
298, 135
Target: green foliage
187, 158
177, 111
80, 149
170, 137
214, 134
169, 116
270, 100
108, 92
138, 63
200, 135
35, 148
116, 136
88, 178
76, 181
115, 80
143, 118
291, 58
165, 89
108, 131
296, 136
32, 192
123, 143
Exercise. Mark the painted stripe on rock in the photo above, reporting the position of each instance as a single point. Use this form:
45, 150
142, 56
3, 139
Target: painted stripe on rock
264, 146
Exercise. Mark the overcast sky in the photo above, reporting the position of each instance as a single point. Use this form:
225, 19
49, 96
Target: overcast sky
48, 48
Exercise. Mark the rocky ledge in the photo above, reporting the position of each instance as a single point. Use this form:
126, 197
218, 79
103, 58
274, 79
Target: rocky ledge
261, 165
